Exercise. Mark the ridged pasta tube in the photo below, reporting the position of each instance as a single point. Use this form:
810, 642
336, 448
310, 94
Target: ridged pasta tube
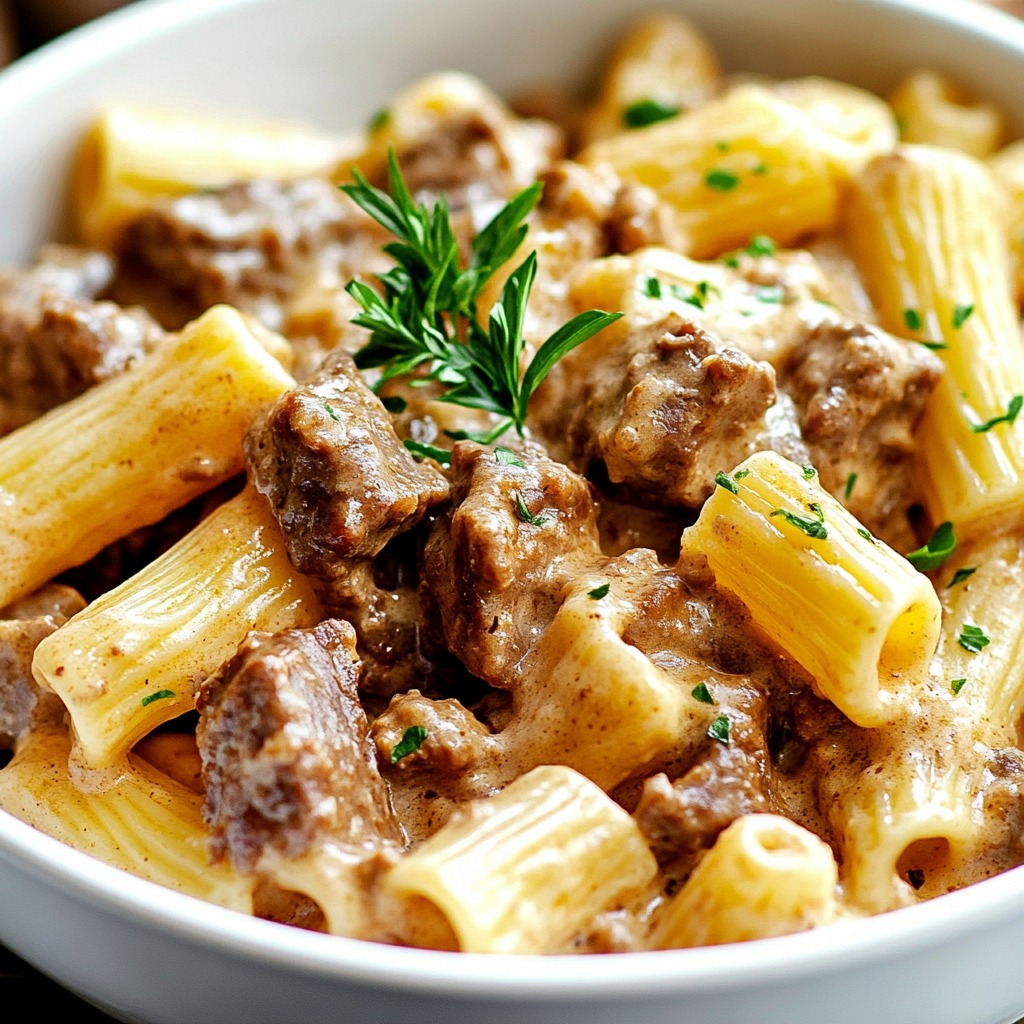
1008, 168
855, 614
523, 870
131, 449
926, 231
134, 818
764, 876
132, 155
135, 656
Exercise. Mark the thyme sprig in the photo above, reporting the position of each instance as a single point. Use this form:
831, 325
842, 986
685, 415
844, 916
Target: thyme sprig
424, 317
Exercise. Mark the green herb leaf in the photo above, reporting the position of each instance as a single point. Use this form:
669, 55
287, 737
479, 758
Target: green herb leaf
719, 730
598, 592
726, 481
721, 180
864, 532
962, 574
939, 547
428, 451
159, 695
761, 245
912, 318
524, 513
1008, 417
640, 113
956, 685
960, 315
330, 412
652, 288
935, 346
379, 120
809, 472
741, 474
812, 527
507, 457
411, 741
972, 638
851, 480
703, 694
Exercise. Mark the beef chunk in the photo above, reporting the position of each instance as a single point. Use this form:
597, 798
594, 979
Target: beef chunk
56, 338
287, 759
860, 393
22, 626
671, 407
496, 564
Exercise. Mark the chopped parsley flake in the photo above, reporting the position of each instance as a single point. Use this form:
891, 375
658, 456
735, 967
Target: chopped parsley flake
440, 455
912, 318
866, 534
726, 481
721, 180
851, 480
809, 472
741, 474
411, 741
812, 527
956, 685
719, 730
702, 693
652, 288
935, 346
972, 638
960, 315
698, 297
393, 403
379, 120
1012, 412
159, 695
524, 513
939, 547
330, 412
507, 457
761, 245
598, 592
962, 574
642, 112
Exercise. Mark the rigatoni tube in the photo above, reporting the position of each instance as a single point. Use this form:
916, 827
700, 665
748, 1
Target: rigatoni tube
855, 614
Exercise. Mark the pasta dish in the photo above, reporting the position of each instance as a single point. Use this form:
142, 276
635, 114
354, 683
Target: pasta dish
528, 524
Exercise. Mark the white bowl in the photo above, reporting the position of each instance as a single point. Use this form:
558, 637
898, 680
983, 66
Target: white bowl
147, 954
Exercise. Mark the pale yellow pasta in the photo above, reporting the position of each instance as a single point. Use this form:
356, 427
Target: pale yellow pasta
925, 227
1008, 168
661, 58
595, 703
855, 614
745, 163
135, 656
934, 109
134, 818
525, 869
764, 876
133, 155
132, 449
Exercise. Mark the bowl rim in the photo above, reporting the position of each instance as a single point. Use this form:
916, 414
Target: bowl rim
491, 976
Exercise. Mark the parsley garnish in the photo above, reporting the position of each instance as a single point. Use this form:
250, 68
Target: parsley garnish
935, 346
741, 474
721, 180
962, 574
411, 741
598, 592
507, 457
972, 638
1008, 417
524, 513
864, 532
379, 120
960, 315
939, 547
159, 695
427, 314
652, 288
851, 480
439, 455
956, 685
761, 245
640, 113
330, 412
912, 318
698, 297
719, 730
812, 527
702, 693
726, 481
809, 472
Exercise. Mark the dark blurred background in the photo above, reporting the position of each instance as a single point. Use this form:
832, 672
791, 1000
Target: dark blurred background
25, 24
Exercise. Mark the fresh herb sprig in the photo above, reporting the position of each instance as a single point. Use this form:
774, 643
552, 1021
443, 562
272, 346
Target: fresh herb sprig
424, 317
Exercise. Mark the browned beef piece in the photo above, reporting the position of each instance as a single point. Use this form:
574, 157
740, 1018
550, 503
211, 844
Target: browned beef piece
860, 393
496, 563
251, 244
666, 411
56, 339
22, 626
287, 758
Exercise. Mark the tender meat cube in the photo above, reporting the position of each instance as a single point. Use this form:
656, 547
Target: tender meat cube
22, 626
251, 244
341, 483
860, 393
684, 817
287, 758
665, 415
56, 339
496, 563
